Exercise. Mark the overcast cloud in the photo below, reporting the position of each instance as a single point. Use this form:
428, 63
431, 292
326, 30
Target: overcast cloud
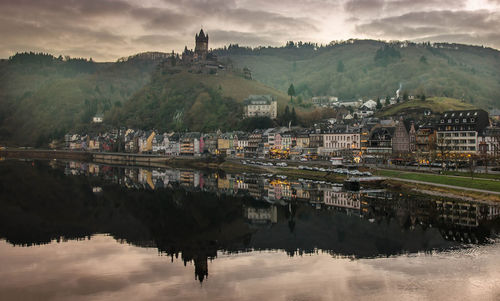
109, 29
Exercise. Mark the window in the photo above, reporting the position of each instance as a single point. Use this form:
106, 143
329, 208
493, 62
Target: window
456, 120
472, 120
464, 120
449, 120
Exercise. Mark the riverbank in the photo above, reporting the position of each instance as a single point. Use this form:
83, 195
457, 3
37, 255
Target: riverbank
477, 184
450, 186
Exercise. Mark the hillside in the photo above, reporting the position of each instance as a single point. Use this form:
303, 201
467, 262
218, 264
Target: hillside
177, 99
367, 68
433, 104
42, 96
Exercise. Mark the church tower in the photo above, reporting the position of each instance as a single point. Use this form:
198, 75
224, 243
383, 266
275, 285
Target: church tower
201, 48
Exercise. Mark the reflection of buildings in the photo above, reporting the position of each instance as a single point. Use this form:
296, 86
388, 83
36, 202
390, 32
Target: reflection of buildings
179, 219
458, 220
342, 199
261, 215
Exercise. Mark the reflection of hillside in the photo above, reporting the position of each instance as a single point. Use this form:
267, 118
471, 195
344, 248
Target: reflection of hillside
186, 214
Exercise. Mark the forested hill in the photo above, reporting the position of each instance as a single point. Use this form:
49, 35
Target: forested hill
42, 96
178, 99
367, 68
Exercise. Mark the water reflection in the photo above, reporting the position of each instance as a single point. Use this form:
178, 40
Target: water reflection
195, 215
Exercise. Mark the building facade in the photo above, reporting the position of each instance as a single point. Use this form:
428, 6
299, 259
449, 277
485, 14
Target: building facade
458, 131
261, 106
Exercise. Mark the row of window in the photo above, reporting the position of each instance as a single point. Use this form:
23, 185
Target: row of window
461, 148
461, 141
339, 138
462, 134
464, 120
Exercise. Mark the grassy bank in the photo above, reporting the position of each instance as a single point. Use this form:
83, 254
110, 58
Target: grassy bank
443, 179
476, 175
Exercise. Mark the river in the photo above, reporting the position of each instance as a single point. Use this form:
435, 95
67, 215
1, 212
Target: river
80, 231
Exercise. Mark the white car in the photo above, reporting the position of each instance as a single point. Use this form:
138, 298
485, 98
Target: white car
303, 159
283, 164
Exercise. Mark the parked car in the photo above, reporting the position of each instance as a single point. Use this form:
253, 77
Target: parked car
303, 159
282, 164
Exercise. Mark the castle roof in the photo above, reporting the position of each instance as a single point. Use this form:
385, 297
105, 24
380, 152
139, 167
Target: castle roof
201, 35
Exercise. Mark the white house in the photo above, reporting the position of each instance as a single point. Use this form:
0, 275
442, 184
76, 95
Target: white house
97, 119
261, 105
370, 104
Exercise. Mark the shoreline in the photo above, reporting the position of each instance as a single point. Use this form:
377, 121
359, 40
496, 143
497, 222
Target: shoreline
235, 166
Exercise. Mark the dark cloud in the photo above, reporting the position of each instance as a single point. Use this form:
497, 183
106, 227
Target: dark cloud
478, 27
363, 6
397, 7
220, 37
160, 18
108, 29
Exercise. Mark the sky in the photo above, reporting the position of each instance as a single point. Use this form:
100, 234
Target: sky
106, 30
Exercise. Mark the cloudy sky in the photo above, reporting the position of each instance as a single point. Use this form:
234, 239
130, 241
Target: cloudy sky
109, 29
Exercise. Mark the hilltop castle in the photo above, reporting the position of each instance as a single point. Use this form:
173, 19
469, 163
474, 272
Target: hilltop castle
201, 48
201, 59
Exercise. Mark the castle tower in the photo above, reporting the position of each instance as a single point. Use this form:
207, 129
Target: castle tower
201, 48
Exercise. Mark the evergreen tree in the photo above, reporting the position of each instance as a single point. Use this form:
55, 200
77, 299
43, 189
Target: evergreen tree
405, 96
293, 118
379, 104
291, 92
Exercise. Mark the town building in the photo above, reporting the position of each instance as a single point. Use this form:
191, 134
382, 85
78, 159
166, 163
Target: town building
404, 137
458, 131
380, 140
340, 138
261, 106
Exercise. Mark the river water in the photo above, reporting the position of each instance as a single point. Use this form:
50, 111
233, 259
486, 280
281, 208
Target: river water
79, 231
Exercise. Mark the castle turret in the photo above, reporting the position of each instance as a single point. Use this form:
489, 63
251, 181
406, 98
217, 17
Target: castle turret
201, 48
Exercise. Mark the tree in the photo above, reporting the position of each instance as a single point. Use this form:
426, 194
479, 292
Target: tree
379, 104
293, 117
285, 117
405, 96
291, 92
340, 66
422, 97
387, 100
